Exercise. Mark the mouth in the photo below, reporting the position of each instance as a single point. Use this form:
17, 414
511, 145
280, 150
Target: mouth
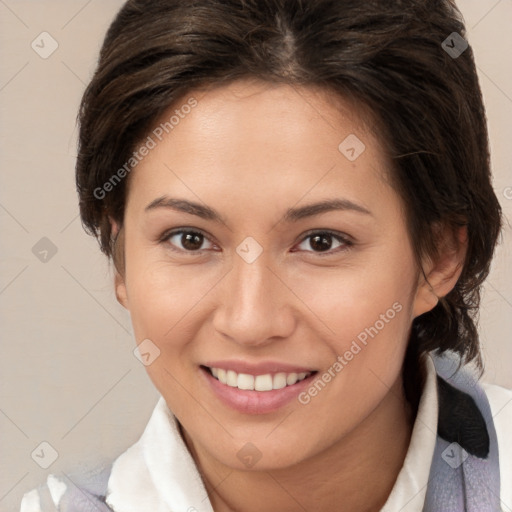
263, 382
259, 394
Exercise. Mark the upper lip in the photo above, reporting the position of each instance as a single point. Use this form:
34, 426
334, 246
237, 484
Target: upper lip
260, 368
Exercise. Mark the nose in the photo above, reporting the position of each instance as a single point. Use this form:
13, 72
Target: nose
255, 305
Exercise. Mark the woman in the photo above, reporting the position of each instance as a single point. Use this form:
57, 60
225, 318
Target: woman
297, 199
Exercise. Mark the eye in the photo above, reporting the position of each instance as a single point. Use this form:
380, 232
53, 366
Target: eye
190, 240
322, 242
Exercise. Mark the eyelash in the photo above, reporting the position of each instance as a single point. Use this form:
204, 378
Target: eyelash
347, 244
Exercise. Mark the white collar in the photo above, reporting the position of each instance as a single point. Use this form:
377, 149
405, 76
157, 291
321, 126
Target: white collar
408, 493
158, 473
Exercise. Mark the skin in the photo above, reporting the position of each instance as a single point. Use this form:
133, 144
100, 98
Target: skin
252, 150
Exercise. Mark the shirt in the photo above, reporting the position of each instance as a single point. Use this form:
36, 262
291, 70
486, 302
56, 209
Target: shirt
158, 473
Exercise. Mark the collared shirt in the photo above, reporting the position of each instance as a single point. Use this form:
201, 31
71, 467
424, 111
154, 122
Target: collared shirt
158, 473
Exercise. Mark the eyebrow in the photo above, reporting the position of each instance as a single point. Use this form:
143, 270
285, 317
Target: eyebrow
291, 215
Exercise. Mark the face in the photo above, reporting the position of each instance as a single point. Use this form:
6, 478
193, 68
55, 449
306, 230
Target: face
244, 279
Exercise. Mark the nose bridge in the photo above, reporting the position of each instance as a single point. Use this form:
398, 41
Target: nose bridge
253, 306
250, 270
250, 287
257, 282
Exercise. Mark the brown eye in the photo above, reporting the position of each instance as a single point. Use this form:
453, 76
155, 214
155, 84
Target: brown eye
321, 242
186, 240
325, 242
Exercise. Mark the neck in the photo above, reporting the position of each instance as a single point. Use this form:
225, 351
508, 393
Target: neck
356, 473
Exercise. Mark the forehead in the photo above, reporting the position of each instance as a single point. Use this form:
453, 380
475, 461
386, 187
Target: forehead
287, 110
247, 137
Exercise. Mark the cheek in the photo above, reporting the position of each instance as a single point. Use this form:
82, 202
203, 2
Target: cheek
366, 315
369, 318
340, 303
348, 302
160, 294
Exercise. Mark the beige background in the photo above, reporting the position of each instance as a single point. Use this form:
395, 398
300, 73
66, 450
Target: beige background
68, 374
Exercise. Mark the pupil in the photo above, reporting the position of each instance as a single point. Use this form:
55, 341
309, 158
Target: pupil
193, 241
321, 242
188, 240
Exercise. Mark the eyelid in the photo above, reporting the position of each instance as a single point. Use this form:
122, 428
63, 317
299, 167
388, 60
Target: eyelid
345, 239
319, 231
341, 237
179, 231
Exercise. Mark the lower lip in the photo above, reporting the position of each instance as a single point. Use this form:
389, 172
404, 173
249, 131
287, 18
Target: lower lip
255, 402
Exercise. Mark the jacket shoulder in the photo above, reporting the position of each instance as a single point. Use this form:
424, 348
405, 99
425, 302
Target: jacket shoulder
79, 491
500, 401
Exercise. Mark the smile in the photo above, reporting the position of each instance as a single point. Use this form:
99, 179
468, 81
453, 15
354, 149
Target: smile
265, 382
257, 392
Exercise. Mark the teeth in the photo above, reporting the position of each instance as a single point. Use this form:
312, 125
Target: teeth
231, 379
245, 381
279, 381
265, 382
291, 378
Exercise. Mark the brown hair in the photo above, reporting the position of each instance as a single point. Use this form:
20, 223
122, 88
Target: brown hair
387, 55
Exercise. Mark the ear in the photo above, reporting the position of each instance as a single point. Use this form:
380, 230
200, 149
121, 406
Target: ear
120, 287
443, 273
119, 279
